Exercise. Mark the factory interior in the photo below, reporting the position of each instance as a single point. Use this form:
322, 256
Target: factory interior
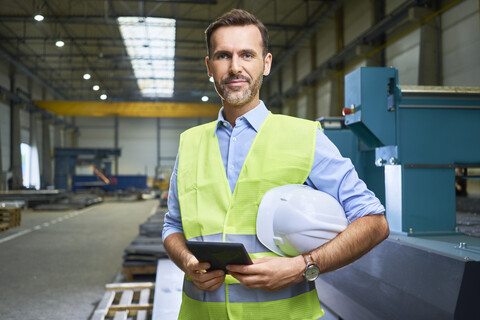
95, 94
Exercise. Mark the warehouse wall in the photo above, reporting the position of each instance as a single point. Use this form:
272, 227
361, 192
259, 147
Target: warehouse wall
137, 139
461, 45
458, 30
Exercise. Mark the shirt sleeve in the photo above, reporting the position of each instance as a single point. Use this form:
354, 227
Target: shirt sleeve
173, 218
336, 175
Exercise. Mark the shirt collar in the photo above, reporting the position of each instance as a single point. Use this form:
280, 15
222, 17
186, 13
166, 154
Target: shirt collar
254, 117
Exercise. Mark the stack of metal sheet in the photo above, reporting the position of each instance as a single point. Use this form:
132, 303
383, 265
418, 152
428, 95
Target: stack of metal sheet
147, 247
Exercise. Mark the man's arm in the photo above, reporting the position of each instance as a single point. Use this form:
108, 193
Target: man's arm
357, 239
178, 252
274, 273
174, 244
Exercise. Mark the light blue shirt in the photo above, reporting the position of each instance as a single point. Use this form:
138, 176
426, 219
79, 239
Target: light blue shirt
331, 173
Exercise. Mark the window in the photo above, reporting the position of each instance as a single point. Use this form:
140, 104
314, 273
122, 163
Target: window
150, 43
30, 166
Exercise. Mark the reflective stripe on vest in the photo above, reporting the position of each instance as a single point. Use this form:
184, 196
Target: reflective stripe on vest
239, 293
211, 212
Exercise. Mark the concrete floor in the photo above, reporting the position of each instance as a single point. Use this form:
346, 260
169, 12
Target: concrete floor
56, 264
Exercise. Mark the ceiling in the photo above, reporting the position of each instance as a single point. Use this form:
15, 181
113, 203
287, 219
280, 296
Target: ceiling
94, 44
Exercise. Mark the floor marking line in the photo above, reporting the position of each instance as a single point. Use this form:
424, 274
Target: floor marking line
45, 224
154, 209
16, 235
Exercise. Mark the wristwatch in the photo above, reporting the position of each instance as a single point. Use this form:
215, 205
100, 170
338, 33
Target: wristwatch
311, 271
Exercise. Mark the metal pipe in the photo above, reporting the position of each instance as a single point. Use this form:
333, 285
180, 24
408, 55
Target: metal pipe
450, 90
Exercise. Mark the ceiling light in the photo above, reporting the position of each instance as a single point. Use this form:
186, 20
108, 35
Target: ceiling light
59, 43
211, 79
103, 96
87, 76
39, 17
204, 98
96, 87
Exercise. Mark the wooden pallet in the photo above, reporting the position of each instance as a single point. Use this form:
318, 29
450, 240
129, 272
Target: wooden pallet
131, 271
10, 217
126, 301
4, 226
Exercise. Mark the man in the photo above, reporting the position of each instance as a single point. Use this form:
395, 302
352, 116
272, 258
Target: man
224, 168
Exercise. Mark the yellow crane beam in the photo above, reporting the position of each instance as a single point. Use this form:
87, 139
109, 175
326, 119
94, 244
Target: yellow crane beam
131, 109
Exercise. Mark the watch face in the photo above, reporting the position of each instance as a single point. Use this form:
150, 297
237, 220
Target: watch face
312, 272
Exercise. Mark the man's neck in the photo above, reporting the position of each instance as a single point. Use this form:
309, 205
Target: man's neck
232, 113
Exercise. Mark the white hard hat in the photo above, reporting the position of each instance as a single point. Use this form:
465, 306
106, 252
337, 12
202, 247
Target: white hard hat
294, 219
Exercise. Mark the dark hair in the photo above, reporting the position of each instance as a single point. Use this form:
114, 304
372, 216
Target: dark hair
237, 17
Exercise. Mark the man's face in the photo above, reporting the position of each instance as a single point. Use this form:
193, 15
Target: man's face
237, 65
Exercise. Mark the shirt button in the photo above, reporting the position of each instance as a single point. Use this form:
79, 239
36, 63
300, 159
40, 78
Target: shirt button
234, 139
231, 167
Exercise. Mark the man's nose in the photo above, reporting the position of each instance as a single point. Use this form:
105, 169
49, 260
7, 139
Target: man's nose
235, 66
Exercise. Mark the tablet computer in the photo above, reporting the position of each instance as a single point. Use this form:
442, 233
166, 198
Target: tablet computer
219, 254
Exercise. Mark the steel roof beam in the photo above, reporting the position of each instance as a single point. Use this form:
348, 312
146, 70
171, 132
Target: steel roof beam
100, 20
31, 74
112, 68
106, 57
164, 1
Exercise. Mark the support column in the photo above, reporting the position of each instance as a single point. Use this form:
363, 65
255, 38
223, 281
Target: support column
46, 173
378, 59
116, 138
430, 64
337, 82
33, 141
75, 133
159, 161
279, 90
15, 153
3, 183
67, 136
293, 103
58, 136
312, 95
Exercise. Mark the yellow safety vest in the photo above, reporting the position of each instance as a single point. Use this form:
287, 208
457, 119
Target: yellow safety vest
281, 153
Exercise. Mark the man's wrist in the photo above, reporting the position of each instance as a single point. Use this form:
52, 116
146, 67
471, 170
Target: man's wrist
312, 271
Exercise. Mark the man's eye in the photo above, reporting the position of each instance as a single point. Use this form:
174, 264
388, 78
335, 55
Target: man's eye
222, 56
248, 56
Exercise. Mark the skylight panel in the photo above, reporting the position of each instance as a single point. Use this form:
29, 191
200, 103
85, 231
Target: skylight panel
150, 43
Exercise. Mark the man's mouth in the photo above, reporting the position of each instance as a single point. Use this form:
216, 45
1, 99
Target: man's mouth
236, 81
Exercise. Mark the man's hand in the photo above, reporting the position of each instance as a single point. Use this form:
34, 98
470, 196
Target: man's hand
177, 251
269, 273
203, 279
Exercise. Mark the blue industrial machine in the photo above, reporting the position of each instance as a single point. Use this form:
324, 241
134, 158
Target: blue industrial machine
426, 269
66, 159
99, 159
362, 156
420, 136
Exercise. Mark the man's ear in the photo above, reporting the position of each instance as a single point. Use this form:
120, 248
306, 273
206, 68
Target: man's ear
207, 60
267, 64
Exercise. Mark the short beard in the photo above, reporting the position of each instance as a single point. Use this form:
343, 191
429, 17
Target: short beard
232, 98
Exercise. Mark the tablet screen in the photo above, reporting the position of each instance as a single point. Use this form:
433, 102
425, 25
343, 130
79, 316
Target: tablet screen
219, 254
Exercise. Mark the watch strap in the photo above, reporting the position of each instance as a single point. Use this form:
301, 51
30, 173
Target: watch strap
308, 259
